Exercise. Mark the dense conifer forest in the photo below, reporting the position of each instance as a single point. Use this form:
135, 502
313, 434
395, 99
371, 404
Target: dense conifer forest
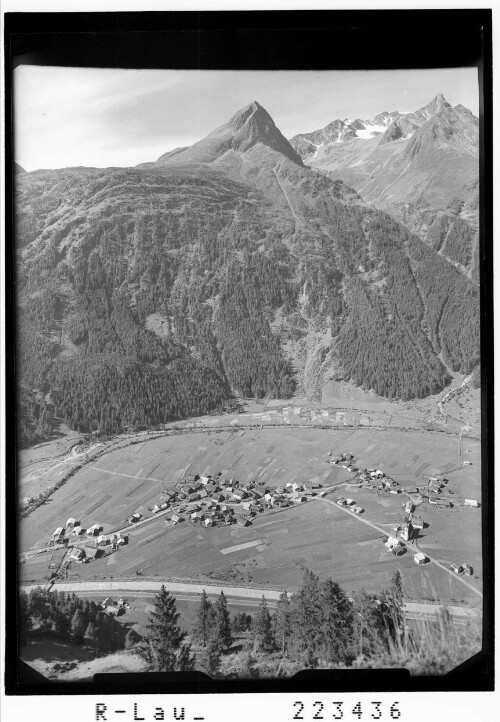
146, 296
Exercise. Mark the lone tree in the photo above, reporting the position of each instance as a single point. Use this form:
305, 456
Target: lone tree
221, 627
163, 651
203, 622
263, 629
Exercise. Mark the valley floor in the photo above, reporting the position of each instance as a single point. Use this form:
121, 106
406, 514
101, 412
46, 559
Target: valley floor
275, 445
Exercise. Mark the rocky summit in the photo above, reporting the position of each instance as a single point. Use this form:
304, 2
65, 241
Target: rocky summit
422, 167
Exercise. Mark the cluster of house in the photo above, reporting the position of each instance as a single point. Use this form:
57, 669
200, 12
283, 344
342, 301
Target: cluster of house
73, 531
345, 460
218, 501
434, 490
349, 504
114, 608
461, 569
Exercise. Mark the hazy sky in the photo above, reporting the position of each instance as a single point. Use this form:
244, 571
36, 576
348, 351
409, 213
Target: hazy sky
97, 117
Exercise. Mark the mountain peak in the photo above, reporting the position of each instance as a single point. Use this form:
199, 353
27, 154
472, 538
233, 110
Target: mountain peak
248, 127
437, 104
252, 110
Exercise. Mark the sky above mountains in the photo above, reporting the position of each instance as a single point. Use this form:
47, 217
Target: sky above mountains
98, 117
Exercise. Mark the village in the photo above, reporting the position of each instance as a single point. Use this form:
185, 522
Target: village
215, 501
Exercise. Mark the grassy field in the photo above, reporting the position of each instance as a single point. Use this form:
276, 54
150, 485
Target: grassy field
316, 534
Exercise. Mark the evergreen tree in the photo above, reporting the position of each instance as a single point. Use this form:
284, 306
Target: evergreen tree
241, 622
392, 607
185, 661
282, 622
307, 615
203, 621
262, 627
221, 634
164, 634
79, 623
338, 622
371, 627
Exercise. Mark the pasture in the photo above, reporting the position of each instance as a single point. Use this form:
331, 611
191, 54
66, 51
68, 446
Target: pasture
274, 550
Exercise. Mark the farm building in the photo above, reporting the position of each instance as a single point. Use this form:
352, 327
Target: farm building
176, 518
77, 554
457, 568
397, 549
417, 522
391, 541
93, 553
78, 531
442, 502
242, 521
358, 510
72, 522
417, 499
58, 532
471, 502
409, 507
94, 530
467, 569
420, 558
349, 502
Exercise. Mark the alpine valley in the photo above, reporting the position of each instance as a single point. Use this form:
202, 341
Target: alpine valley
250, 265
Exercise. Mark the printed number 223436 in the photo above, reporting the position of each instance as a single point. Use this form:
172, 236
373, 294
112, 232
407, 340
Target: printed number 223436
341, 710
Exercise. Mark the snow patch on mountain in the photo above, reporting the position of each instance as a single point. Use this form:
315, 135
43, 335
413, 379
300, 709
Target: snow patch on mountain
370, 131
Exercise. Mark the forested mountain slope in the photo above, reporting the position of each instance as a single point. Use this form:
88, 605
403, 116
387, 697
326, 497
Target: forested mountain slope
421, 167
154, 293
